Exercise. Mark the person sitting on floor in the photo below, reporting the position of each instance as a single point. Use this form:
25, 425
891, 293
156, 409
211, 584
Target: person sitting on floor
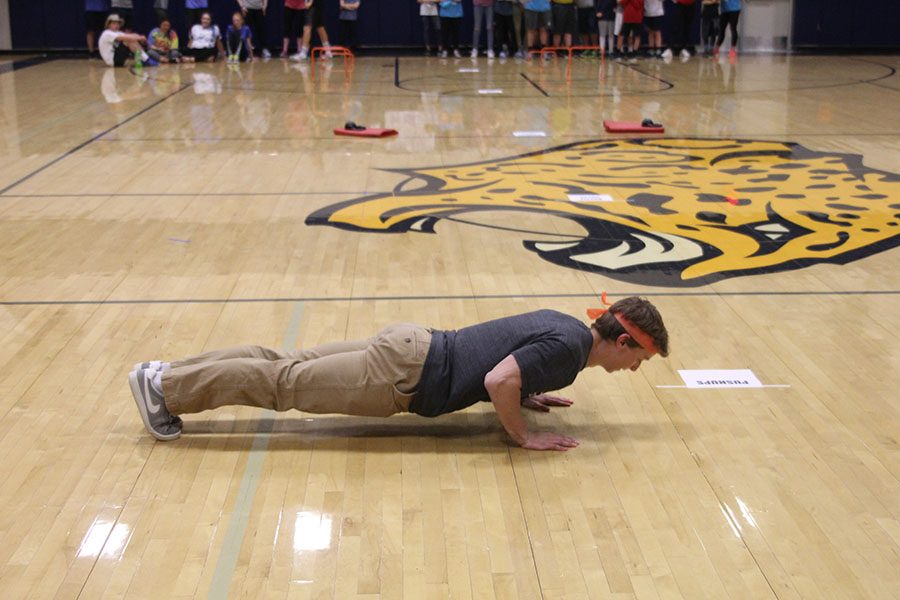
163, 44
117, 48
239, 40
206, 40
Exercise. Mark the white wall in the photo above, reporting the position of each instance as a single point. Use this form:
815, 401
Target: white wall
765, 25
5, 36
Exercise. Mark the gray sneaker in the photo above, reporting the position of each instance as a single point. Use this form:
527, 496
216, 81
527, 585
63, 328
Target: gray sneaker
153, 365
159, 422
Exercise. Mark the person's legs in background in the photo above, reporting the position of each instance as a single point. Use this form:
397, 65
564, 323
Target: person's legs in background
520, 29
349, 34
257, 22
477, 19
685, 18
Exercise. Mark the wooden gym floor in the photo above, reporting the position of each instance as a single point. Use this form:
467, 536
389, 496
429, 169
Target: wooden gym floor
157, 215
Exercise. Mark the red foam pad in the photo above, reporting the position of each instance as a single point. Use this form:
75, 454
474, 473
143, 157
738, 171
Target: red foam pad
367, 132
630, 127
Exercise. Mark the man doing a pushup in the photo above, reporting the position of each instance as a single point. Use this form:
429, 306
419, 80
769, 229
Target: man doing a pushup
510, 362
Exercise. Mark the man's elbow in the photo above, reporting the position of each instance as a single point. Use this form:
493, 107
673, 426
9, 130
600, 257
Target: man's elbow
496, 382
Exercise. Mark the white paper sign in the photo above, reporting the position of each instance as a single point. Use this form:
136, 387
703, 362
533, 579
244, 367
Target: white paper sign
467, 70
590, 198
720, 378
490, 91
529, 134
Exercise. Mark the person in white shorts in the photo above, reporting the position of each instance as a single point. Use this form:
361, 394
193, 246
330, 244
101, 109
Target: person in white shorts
617, 29
117, 47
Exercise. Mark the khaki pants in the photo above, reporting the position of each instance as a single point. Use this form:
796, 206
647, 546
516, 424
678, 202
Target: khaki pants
376, 377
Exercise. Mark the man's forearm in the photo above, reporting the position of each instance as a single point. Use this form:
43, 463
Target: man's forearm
507, 403
131, 37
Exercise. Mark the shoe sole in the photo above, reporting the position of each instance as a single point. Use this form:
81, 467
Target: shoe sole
142, 408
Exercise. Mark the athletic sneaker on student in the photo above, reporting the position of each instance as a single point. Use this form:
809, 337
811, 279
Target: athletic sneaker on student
146, 389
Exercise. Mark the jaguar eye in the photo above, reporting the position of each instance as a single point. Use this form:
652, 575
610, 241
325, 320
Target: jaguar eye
773, 231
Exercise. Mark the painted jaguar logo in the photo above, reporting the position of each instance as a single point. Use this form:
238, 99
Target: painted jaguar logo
674, 212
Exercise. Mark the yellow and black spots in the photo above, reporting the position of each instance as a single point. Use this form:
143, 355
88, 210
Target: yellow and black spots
679, 212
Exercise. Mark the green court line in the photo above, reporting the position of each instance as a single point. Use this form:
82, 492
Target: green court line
243, 504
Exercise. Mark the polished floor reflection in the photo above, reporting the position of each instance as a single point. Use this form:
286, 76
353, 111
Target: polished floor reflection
158, 213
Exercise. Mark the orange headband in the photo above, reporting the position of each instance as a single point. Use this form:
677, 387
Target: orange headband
636, 333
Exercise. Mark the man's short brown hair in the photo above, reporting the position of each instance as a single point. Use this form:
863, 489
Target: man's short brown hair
640, 312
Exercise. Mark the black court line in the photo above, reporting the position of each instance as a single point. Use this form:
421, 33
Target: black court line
535, 84
884, 87
875, 62
669, 85
183, 194
72, 151
18, 65
754, 135
397, 72
438, 298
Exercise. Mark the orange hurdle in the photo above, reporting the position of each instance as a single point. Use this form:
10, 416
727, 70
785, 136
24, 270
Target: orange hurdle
554, 50
335, 51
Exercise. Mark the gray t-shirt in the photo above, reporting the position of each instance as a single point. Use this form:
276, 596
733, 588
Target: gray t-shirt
549, 347
253, 4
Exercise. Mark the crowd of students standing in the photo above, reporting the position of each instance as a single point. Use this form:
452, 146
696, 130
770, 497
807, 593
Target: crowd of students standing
508, 28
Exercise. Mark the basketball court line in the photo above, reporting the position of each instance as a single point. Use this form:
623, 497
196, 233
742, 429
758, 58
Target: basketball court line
647, 294
181, 194
884, 87
550, 135
535, 84
84, 144
644, 73
18, 65
243, 504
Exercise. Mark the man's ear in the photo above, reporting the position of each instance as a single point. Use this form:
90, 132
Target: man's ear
622, 340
